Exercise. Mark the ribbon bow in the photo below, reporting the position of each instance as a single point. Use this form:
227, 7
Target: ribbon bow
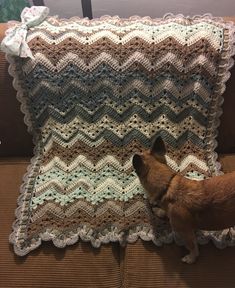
14, 42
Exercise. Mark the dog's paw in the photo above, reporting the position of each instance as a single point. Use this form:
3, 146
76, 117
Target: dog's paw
189, 259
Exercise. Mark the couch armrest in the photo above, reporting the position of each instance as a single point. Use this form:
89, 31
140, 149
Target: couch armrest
3, 27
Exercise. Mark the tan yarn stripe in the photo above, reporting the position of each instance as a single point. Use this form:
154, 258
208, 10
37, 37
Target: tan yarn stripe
93, 154
74, 46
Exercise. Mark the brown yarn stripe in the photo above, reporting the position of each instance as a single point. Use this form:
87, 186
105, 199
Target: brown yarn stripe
188, 148
57, 52
49, 220
94, 154
140, 213
68, 155
70, 44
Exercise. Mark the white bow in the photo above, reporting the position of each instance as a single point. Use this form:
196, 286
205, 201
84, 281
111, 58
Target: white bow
14, 42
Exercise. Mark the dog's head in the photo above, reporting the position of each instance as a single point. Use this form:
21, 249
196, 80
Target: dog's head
152, 170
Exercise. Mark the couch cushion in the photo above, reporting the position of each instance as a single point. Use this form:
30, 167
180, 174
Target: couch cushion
149, 266
79, 265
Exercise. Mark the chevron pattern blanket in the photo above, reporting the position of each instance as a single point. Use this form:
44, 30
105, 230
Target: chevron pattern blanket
98, 91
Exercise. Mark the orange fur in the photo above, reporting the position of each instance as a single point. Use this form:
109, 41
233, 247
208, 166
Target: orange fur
189, 204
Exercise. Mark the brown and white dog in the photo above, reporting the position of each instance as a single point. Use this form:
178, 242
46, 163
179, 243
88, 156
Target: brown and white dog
189, 204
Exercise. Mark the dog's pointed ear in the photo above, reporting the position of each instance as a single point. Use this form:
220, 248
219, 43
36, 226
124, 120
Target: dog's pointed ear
158, 149
158, 146
137, 163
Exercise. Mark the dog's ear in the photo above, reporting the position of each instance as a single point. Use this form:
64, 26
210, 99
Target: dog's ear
138, 163
158, 149
158, 146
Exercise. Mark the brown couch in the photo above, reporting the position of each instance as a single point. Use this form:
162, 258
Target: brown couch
141, 264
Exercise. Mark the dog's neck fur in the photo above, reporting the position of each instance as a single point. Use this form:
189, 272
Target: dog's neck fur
161, 185
164, 191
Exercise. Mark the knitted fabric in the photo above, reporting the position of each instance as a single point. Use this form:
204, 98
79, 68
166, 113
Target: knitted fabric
98, 91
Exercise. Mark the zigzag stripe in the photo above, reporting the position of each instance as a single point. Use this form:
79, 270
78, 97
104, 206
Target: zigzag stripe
107, 207
83, 176
164, 103
129, 112
76, 97
186, 162
195, 172
178, 112
123, 108
68, 44
138, 210
150, 112
127, 100
127, 25
187, 148
97, 227
94, 153
147, 37
87, 150
81, 160
80, 137
83, 183
42, 91
106, 124
61, 212
83, 186
105, 191
104, 71
134, 134
77, 180
136, 57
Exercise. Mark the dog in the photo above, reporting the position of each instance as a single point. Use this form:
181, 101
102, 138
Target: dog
208, 204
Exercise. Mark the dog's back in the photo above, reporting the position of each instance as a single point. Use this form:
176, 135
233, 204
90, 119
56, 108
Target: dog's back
220, 212
211, 202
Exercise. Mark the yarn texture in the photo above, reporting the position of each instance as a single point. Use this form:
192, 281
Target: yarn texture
95, 93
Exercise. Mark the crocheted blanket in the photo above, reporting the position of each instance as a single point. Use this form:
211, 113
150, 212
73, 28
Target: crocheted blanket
96, 92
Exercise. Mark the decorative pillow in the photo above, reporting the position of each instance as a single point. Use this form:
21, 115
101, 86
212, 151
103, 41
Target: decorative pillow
94, 93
